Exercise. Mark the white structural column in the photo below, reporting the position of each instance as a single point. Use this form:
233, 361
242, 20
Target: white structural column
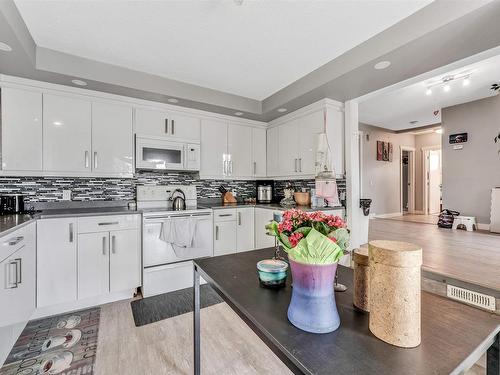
355, 218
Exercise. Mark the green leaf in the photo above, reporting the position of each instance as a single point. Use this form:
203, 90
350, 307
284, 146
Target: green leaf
316, 248
342, 237
284, 240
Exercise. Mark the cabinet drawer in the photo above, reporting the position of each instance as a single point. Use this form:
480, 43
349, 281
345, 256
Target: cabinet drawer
15, 240
107, 223
226, 214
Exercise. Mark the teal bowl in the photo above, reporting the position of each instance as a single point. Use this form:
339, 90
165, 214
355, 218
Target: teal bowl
272, 273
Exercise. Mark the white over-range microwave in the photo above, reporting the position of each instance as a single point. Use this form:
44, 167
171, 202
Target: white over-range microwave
165, 154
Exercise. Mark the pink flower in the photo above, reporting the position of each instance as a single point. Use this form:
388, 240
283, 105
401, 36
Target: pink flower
295, 238
333, 239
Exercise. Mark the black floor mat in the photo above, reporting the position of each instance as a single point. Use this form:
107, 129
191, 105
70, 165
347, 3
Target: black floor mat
164, 306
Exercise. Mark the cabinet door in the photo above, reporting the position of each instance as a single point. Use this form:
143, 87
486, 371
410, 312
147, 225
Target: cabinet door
308, 129
152, 122
56, 261
125, 260
259, 152
185, 127
66, 134
21, 130
213, 148
93, 264
262, 218
288, 149
17, 284
245, 234
272, 148
239, 144
112, 141
224, 238
335, 132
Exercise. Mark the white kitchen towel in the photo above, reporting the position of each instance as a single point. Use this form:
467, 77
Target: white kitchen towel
180, 233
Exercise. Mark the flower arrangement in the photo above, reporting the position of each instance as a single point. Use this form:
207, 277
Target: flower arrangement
311, 238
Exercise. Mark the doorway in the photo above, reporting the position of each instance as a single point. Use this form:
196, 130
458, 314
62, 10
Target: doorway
432, 180
407, 179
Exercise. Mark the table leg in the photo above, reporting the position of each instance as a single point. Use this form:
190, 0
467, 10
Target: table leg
196, 320
493, 358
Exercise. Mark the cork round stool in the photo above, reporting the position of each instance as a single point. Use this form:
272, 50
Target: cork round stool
395, 292
361, 279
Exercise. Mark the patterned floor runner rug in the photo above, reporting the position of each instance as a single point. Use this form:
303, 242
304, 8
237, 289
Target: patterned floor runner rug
63, 344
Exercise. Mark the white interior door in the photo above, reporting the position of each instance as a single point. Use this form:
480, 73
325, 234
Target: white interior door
434, 181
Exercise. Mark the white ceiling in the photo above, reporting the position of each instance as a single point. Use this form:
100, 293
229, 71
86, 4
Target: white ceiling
394, 110
252, 50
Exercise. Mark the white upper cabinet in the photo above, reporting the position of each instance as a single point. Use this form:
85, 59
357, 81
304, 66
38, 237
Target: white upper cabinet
259, 152
288, 158
21, 126
112, 139
66, 134
160, 123
309, 127
213, 149
272, 151
239, 140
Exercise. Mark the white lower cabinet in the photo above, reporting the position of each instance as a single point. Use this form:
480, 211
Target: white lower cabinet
224, 237
56, 261
80, 258
263, 216
125, 260
245, 239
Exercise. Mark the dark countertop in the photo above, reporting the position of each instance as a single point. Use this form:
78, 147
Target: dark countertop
10, 223
270, 206
454, 335
85, 211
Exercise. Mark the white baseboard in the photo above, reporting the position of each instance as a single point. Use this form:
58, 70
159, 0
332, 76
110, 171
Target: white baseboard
82, 304
384, 216
483, 226
418, 212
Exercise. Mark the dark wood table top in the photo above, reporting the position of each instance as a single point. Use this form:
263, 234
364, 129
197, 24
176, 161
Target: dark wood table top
453, 335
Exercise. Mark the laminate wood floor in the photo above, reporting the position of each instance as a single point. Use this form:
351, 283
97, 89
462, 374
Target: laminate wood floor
472, 257
228, 345
426, 219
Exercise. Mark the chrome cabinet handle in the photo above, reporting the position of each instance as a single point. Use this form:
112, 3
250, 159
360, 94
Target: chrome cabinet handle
230, 167
70, 232
254, 167
172, 126
104, 245
19, 275
239, 218
225, 215
95, 159
14, 241
166, 125
216, 232
300, 164
86, 159
224, 167
109, 223
295, 161
9, 282
113, 244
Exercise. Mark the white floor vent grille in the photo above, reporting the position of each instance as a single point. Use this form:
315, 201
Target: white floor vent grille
468, 296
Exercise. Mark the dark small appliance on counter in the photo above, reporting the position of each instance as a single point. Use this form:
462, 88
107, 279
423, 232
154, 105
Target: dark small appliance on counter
12, 204
265, 191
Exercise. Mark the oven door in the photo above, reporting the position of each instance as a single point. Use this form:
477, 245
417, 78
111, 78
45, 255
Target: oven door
158, 252
154, 153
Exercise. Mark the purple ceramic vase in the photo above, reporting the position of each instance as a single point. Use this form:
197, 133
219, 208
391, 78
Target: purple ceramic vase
313, 307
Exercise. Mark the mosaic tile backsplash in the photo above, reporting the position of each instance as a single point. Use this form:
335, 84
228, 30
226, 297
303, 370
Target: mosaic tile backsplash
49, 189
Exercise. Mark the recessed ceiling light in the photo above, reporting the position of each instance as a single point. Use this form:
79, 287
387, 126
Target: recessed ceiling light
438, 131
5, 47
413, 122
466, 82
281, 110
382, 65
79, 82
238, 113
428, 92
173, 100
446, 88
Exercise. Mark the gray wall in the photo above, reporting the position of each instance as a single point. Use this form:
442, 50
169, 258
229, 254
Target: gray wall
470, 173
381, 178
